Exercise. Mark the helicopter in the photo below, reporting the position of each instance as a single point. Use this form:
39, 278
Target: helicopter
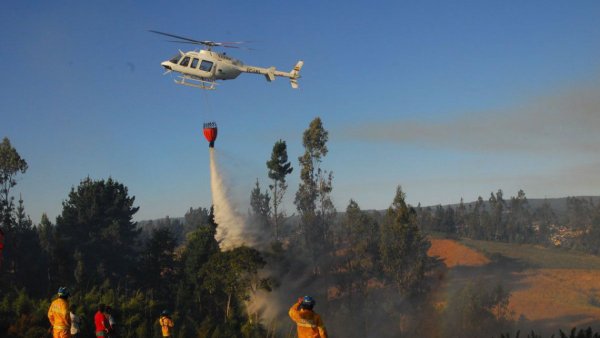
201, 68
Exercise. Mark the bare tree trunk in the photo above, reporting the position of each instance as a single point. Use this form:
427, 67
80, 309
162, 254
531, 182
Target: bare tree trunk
275, 210
228, 304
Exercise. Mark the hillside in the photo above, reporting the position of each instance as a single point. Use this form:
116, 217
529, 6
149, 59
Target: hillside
559, 205
550, 288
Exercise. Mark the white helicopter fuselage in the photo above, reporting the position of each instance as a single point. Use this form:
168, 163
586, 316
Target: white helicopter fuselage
204, 65
202, 68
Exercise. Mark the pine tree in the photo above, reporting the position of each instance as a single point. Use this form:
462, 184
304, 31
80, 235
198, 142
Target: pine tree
97, 221
195, 218
461, 218
158, 262
11, 164
403, 248
279, 167
260, 206
358, 240
25, 262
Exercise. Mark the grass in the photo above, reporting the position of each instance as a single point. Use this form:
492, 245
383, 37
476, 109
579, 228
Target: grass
536, 256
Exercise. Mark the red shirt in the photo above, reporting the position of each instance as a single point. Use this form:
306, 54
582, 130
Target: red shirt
100, 321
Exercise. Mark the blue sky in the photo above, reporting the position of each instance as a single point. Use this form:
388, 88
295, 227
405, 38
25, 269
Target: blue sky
448, 99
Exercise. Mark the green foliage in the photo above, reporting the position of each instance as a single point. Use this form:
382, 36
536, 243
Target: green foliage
536, 256
279, 167
158, 261
16, 228
403, 248
313, 200
234, 275
253, 330
195, 218
360, 236
11, 164
24, 270
514, 221
587, 333
477, 309
97, 221
260, 204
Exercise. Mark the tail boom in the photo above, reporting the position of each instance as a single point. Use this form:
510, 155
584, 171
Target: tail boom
271, 73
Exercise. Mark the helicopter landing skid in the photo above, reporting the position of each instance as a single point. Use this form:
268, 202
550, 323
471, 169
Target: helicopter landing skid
196, 83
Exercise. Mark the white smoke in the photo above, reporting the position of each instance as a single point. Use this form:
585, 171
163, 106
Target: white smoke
232, 230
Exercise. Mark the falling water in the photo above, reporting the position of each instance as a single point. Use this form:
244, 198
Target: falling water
231, 229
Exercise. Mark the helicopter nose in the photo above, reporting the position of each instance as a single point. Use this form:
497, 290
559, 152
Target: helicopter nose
166, 65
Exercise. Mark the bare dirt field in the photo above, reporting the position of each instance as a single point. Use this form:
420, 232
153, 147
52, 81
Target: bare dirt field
542, 296
454, 253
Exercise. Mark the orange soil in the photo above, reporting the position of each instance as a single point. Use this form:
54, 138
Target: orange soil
455, 254
559, 298
557, 295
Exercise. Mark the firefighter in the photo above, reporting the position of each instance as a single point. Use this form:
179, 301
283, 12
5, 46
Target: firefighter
309, 323
166, 323
100, 321
59, 316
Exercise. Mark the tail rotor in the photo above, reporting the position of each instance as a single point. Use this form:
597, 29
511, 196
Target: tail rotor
295, 74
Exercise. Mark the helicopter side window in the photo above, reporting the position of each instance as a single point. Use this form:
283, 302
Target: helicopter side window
194, 63
206, 65
185, 61
175, 58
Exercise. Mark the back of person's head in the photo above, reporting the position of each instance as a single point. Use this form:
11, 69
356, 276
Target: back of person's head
308, 303
165, 313
101, 307
108, 309
63, 292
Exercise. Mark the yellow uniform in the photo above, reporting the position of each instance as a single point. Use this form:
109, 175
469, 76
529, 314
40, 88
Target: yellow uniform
60, 319
308, 322
166, 324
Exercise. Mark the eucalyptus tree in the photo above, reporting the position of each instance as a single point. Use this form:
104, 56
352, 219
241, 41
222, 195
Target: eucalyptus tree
313, 198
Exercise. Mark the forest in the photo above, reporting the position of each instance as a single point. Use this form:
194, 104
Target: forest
368, 270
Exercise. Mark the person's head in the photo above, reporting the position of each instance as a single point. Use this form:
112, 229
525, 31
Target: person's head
101, 307
165, 313
308, 303
63, 292
108, 309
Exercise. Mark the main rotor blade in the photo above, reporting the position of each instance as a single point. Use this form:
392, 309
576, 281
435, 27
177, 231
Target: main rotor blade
175, 36
186, 42
235, 42
203, 42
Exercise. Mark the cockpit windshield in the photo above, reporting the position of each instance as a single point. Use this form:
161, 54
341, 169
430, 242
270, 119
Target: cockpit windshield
175, 58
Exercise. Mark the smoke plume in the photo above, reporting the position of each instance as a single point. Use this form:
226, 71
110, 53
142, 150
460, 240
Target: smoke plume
565, 122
